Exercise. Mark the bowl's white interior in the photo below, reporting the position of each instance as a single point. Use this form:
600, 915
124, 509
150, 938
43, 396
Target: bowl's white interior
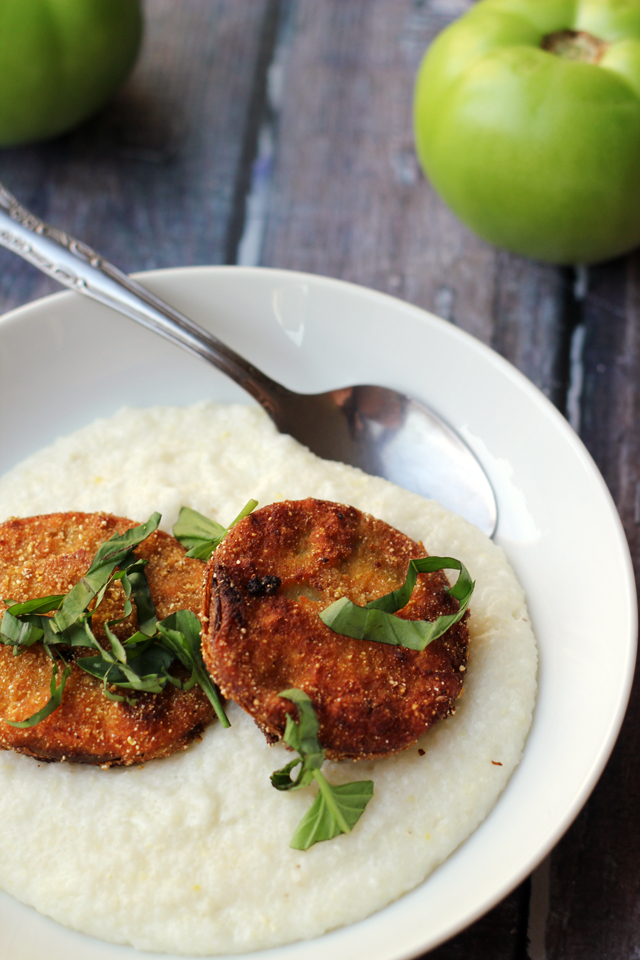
65, 360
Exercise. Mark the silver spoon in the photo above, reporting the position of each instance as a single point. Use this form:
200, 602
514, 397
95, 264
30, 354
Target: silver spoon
380, 430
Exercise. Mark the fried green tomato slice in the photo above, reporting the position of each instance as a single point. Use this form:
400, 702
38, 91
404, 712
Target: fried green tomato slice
47, 555
264, 588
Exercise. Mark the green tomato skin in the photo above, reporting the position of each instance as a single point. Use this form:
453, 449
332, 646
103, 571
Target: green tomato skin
537, 154
60, 60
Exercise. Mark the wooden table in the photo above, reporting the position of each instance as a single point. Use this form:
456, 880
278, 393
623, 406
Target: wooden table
278, 132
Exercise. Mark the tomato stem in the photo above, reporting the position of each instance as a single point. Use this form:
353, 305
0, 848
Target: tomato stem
575, 45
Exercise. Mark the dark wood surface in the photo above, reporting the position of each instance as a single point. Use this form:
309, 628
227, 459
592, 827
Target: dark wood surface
279, 132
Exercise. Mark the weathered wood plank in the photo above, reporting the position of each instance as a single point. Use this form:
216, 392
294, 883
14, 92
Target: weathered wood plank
500, 933
348, 198
595, 881
152, 180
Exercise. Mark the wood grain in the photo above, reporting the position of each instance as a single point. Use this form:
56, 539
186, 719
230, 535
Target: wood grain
595, 880
152, 180
348, 198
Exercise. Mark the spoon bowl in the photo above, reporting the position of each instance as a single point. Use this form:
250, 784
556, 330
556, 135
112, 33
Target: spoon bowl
380, 430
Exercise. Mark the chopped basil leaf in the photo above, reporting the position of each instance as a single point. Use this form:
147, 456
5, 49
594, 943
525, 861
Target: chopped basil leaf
117, 648
19, 633
141, 673
39, 605
335, 809
180, 632
302, 736
52, 703
135, 584
193, 528
98, 576
376, 621
200, 534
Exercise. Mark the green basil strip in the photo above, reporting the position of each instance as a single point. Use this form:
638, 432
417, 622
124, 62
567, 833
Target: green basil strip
193, 528
136, 587
138, 643
96, 666
52, 703
201, 534
112, 551
335, 810
141, 673
79, 634
116, 697
303, 735
117, 648
141, 594
248, 508
282, 779
97, 577
23, 624
180, 632
90, 639
19, 633
38, 605
376, 622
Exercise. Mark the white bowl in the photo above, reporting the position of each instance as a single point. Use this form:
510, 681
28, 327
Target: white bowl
65, 360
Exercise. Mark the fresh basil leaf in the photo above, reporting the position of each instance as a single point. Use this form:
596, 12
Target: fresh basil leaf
52, 703
135, 585
113, 551
180, 632
193, 528
335, 810
282, 779
248, 508
37, 605
204, 549
155, 659
376, 621
96, 666
303, 735
117, 648
22, 624
397, 599
19, 633
202, 535
119, 675
151, 683
79, 634
97, 577
118, 698
149, 666
137, 643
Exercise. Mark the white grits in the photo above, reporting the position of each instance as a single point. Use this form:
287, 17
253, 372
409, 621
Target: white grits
190, 854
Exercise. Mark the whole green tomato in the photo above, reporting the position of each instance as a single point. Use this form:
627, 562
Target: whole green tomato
60, 60
527, 120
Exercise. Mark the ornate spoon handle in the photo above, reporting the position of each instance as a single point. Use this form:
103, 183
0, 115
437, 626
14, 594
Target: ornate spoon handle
74, 264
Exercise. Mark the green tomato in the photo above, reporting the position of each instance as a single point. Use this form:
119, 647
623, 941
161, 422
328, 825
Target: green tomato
60, 60
527, 120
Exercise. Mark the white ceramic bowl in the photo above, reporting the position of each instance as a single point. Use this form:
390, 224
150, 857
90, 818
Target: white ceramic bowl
65, 361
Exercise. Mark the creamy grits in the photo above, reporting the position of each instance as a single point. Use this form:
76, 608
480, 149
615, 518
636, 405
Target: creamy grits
191, 854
